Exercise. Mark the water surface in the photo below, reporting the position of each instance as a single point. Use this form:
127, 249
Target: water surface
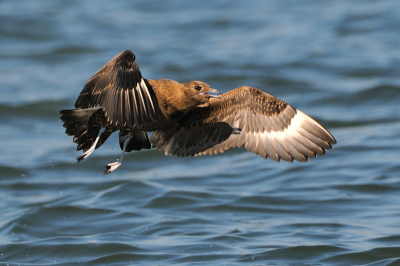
337, 61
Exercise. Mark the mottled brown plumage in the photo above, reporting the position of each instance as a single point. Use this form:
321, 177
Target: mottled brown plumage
187, 119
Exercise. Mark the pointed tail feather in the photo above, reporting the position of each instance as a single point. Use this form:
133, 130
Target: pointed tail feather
84, 125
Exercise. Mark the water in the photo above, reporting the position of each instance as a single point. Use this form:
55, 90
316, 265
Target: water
338, 61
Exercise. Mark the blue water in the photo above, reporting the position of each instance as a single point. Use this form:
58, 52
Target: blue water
338, 61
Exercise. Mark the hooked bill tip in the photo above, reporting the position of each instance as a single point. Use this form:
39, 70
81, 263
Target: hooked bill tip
212, 93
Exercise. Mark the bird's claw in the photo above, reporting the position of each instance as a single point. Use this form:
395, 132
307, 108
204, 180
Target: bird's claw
111, 167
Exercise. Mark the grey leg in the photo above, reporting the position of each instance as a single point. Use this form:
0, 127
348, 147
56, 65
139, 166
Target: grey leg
112, 166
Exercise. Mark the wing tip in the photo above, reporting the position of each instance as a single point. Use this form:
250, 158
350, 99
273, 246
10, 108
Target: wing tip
127, 54
328, 137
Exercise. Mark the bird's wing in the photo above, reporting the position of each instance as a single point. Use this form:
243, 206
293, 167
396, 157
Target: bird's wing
250, 118
118, 87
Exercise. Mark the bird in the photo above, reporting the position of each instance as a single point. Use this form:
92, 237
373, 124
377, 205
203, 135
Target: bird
187, 119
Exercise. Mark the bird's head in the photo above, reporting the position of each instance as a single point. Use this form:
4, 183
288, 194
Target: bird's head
197, 93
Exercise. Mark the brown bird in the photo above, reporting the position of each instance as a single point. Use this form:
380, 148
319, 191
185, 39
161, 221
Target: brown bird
187, 119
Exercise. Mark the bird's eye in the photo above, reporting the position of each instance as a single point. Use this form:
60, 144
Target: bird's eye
198, 88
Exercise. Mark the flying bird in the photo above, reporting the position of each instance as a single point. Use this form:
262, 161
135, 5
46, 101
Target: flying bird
187, 119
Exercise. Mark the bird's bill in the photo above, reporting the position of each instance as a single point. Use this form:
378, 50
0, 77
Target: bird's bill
212, 93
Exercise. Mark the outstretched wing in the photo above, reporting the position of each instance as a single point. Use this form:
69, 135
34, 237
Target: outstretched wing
118, 87
250, 118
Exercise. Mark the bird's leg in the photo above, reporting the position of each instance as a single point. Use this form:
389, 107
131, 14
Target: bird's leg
92, 148
112, 166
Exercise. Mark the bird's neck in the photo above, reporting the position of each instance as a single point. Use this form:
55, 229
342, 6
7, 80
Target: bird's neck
171, 97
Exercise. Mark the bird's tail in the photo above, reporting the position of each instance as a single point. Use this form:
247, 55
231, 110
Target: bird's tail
84, 125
